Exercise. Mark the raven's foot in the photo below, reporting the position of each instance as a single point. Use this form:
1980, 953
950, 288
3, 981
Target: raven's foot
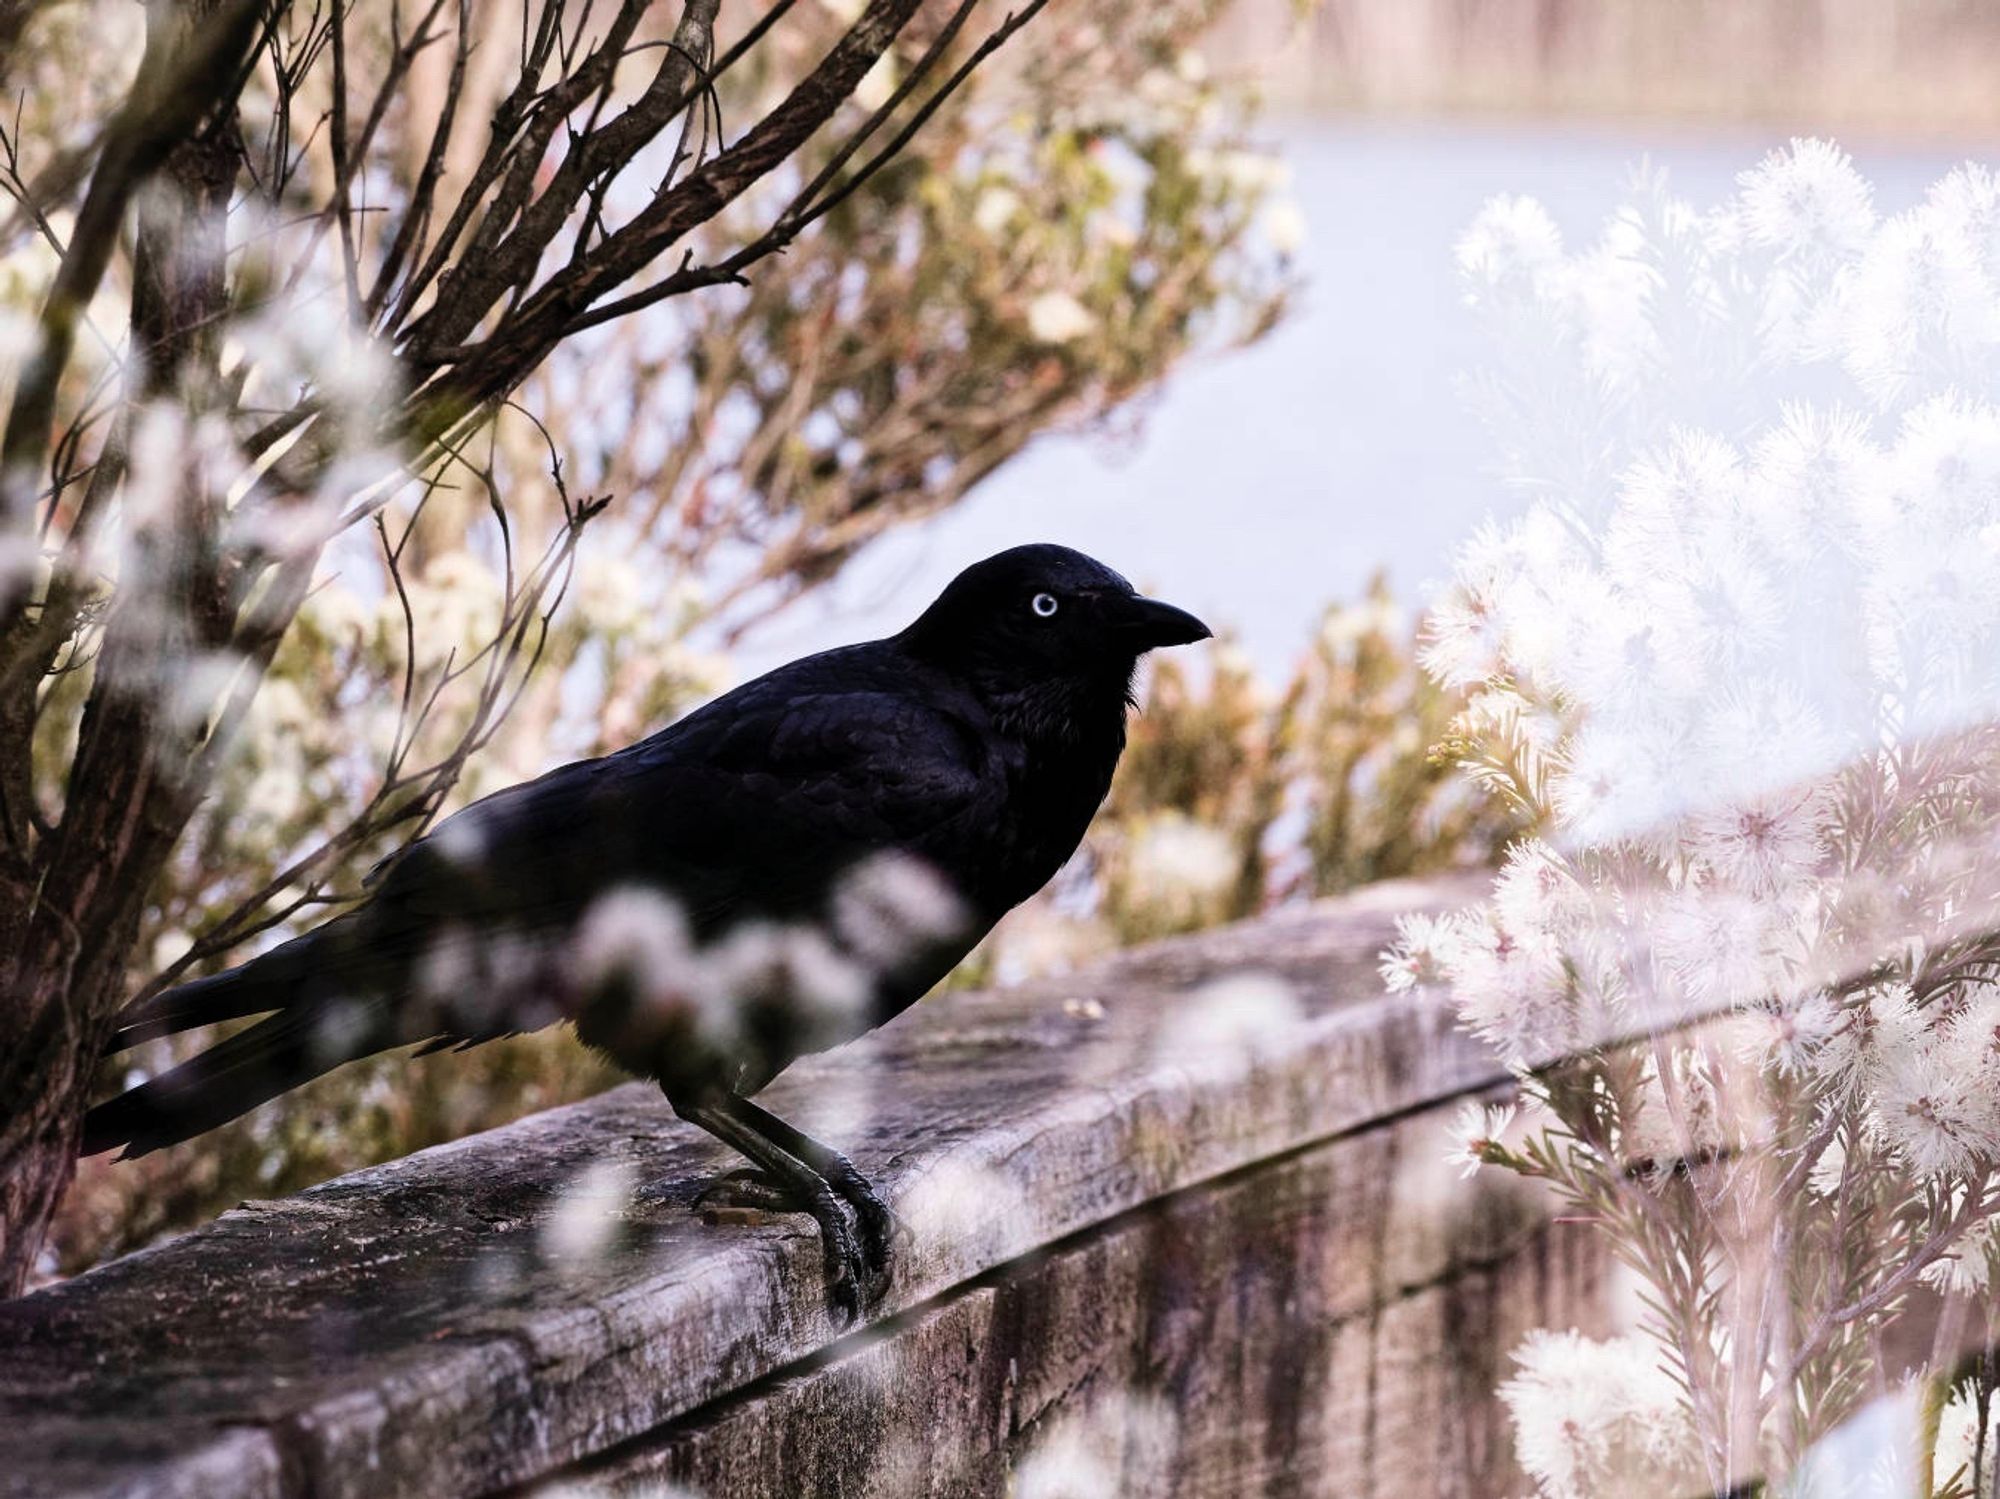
878, 1226
855, 1269
785, 1183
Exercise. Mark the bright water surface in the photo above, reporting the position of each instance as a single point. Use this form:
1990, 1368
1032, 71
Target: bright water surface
1268, 482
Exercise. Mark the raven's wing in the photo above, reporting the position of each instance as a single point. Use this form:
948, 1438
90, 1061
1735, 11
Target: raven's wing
749, 807
753, 812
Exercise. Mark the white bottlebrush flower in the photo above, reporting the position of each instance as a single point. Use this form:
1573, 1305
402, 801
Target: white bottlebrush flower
1537, 890
1613, 287
1883, 1016
1807, 201
1942, 477
1593, 1418
1463, 639
1920, 1102
1672, 501
1056, 317
1476, 1132
1615, 782
1958, 1437
1742, 659
1828, 1168
1759, 735
1465, 635
1893, 307
1760, 844
1723, 614
1516, 991
1511, 252
1962, 213
1968, 1269
1717, 945
1804, 476
1787, 1033
1423, 955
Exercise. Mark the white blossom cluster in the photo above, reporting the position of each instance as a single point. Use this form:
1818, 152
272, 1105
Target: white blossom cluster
1739, 664
1595, 1418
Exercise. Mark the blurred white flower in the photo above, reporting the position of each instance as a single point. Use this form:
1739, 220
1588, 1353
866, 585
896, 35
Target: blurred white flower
1238, 1021
995, 209
1425, 952
639, 940
1056, 317
1593, 1418
890, 906
19, 338
588, 1211
972, 1207
1122, 1444
1510, 252
1284, 226
1177, 863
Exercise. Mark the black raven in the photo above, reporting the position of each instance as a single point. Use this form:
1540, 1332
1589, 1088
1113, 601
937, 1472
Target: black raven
783, 869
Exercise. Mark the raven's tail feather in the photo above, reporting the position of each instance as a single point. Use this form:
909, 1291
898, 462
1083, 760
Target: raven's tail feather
270, 982
232, 1077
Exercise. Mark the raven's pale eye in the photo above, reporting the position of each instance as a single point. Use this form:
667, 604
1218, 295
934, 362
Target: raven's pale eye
1044, 604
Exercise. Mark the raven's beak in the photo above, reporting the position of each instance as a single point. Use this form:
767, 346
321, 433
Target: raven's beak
1145, 624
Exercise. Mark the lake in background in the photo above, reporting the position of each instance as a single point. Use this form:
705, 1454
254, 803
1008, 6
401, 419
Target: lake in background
1267, 483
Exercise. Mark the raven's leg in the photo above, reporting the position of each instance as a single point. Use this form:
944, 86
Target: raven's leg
804, 1189
878, 1224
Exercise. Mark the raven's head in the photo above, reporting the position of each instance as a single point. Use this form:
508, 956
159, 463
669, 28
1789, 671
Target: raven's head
1043, 614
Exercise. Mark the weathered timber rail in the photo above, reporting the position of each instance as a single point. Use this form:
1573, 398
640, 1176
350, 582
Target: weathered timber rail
1161, 1239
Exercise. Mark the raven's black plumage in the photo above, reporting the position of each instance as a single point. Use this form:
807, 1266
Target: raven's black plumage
976, 745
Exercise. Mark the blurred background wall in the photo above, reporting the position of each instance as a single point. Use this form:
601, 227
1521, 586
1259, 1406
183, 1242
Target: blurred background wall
1908, 66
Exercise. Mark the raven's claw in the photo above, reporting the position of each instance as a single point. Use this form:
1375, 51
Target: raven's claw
879, 1230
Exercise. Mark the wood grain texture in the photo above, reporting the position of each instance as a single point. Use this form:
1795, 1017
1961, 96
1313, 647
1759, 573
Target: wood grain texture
1224, 1201
1332, 1323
